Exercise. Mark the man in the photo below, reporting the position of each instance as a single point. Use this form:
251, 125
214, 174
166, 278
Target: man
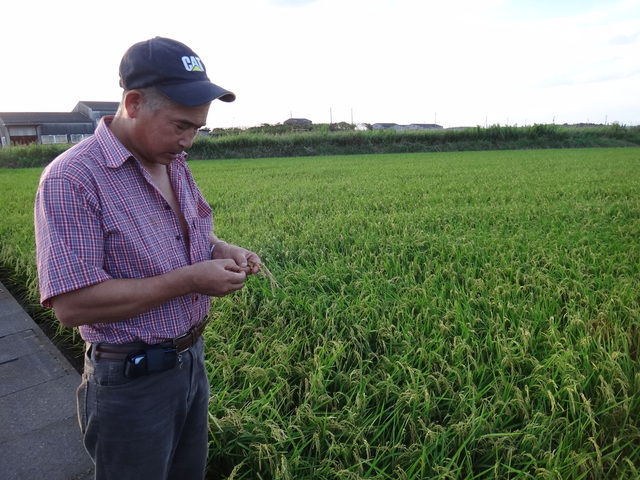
126, 252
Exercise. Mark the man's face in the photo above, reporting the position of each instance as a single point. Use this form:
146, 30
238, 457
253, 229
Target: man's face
163, 134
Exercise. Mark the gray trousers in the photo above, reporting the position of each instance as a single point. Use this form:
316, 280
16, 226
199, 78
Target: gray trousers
154, 426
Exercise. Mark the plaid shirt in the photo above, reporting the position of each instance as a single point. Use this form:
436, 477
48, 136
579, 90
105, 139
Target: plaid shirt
99, 216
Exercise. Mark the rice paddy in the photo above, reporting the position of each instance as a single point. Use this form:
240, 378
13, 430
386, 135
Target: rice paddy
453, 315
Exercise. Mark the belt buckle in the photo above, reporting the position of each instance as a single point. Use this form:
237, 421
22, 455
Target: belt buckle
175, 341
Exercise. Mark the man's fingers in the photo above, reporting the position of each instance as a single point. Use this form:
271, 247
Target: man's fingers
233, 267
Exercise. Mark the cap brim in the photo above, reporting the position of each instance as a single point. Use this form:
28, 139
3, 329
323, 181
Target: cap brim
194, 94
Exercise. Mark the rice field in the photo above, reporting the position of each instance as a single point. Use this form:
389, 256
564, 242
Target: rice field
470, 315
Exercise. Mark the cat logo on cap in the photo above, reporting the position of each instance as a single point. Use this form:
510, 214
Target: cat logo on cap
192, 64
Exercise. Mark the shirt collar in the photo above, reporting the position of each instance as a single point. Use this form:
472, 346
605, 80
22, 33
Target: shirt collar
115, 153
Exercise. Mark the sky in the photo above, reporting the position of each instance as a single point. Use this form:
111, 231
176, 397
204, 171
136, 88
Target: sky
450, 62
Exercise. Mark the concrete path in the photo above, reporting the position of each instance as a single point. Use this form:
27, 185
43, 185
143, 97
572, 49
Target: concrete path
39, 434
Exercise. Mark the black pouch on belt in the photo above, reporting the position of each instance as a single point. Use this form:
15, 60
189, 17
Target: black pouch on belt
156, 358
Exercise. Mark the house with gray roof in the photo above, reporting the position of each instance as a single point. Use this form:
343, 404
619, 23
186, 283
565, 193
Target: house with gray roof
22, 128
413, 126
297, 121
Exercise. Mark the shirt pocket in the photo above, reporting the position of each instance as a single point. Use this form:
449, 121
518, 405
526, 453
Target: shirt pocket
200, 225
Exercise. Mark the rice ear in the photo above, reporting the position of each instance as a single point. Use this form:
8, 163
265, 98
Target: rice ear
266, 272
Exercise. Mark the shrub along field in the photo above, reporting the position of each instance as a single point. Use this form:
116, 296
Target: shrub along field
453, 315
270, 141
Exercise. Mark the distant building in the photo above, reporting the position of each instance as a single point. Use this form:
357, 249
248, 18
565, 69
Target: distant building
22, 128
96, 110
297, 121
384, 126
413, 126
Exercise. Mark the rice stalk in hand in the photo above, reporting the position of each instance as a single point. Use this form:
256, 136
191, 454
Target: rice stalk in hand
266, 272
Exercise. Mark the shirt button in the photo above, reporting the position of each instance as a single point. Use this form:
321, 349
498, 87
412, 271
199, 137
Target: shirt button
167, 207
177, 237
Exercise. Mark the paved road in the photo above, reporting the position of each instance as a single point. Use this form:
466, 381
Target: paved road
40, 437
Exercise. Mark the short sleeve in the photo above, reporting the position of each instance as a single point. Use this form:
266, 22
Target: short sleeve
69, 238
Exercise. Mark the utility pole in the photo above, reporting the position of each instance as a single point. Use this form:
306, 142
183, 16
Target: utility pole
330, 116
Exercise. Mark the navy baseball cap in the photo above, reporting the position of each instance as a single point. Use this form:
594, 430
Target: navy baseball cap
174, 69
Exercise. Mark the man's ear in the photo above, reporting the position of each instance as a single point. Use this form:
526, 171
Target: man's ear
133, 103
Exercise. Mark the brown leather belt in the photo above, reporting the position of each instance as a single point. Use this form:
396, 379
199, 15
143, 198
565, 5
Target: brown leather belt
181, 343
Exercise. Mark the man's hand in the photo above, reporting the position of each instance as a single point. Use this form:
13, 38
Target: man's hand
217, 278
248, 262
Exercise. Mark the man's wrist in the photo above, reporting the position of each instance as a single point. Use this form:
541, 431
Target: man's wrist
213, 246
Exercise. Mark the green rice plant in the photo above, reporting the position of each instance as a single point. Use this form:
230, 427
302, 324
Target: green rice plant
439, 316
454, 315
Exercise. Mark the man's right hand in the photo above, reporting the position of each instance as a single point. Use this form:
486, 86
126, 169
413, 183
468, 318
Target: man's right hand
217, 278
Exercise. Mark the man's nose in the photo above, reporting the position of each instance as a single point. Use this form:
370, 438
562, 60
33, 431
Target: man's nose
186, 140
